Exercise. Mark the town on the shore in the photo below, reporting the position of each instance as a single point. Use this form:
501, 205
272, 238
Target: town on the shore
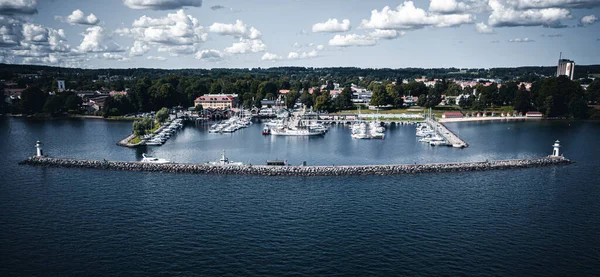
551, 92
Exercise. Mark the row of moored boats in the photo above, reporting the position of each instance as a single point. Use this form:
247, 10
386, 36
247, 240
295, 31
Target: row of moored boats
294, 126
368, 130
430, 135
165, 133
231, 125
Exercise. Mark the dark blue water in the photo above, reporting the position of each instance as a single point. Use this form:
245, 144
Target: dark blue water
543, 222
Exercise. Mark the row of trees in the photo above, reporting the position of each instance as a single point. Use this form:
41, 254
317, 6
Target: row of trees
555, 97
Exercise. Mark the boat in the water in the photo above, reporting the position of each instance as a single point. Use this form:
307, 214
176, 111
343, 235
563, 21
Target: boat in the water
266, 131
286, 131
150, 159
224, 161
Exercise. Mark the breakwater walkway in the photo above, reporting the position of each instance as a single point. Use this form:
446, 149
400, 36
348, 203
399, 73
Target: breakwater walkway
264, 170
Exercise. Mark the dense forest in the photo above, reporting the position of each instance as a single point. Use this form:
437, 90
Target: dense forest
152, 89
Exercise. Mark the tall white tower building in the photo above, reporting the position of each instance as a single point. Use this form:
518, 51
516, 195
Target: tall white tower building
555, 151
565, 67
61, 85
38, 146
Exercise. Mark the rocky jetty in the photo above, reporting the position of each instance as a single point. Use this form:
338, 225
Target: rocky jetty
297, 170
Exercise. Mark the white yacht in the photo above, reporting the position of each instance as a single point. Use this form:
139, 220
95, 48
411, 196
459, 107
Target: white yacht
150, 159
285, 131
224, 161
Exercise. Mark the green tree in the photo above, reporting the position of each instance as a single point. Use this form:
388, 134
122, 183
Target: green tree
453, 89
578, 109
593, 92
306, 99
140, 94
162, 115
290, 99
138, 128
394, 95
380, 96
32, 100
73, 102
522, 100
323, 103
54, 105
415, 88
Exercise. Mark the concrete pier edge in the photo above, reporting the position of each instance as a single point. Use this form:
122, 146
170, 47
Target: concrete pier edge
264, 170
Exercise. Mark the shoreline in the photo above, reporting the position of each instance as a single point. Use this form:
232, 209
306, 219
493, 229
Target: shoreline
489, 118
265, 170
48, 117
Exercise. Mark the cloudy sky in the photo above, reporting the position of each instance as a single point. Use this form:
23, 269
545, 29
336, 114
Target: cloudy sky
316, 33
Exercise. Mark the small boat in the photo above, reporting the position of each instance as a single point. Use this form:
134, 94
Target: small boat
150, 159
224, 161
266, 131
295, 132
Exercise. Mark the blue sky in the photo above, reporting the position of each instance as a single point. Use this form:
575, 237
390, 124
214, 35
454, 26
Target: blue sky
325, 33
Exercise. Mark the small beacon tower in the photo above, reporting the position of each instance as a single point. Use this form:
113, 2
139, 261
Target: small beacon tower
555, 151
38, 146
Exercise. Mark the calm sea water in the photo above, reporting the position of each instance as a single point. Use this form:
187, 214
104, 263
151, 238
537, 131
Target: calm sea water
524, 222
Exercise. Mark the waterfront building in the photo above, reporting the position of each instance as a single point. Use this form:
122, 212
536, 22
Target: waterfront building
452, 115
565, 67
216, 101
533, 114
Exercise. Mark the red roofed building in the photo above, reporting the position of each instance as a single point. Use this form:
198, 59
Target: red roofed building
284, 91
16, 92
216, 101
452, 115
533, 114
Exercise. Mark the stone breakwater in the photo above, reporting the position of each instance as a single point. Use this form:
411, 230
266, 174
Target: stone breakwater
264, 170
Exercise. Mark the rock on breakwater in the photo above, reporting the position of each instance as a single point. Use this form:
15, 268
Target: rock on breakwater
264, 170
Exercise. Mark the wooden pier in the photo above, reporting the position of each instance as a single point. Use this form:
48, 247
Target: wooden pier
449, 136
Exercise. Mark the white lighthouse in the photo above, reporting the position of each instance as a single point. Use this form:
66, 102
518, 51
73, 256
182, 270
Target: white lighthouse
555, 152
38, 146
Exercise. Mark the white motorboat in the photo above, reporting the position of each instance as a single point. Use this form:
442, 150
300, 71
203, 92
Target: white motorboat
224, 161
295, 132
150, 159
153, 142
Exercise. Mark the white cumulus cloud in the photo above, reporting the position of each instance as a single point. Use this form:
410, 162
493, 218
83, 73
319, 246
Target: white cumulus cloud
521, 40
78, 17
588, 20
139, 48
332, 26
156, 58
113, 56
238, 29
386, 34
483, 28
161, 4
246, 46
209, 55
177, 33
96, 40
352, 40
270, 57
447, 6
408, 17
504, 15
302, 55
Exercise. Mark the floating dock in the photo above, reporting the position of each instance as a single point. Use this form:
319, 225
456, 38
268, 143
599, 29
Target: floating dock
265, 170
452, 139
